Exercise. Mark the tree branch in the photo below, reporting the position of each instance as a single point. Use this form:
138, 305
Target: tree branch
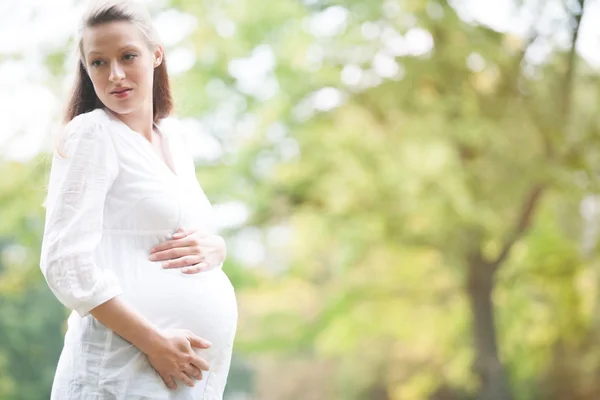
538, 121
567, 89
523, 223
536, 192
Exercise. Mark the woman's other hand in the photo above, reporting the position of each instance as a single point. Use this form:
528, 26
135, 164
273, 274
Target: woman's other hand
193, 251
173, 357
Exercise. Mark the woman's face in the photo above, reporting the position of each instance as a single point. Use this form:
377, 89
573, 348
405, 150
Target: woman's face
120, 65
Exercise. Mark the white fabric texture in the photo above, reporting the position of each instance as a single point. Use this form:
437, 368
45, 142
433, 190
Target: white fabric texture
110, 200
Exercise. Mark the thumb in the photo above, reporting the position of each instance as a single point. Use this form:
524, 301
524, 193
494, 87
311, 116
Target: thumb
179, 233
197, 341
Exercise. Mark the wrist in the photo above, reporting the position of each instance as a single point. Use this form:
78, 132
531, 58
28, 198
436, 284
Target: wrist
151, 341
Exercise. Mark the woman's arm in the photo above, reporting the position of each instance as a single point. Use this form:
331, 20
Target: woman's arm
74, 217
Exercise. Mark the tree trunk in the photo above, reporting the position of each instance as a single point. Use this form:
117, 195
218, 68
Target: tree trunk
487, 366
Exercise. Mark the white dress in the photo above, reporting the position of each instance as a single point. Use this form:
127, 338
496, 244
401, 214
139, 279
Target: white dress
109, 202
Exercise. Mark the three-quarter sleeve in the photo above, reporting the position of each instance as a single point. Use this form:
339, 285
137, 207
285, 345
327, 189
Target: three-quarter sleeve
77, 190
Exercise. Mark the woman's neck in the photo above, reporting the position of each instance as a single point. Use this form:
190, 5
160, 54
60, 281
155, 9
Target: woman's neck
140, 121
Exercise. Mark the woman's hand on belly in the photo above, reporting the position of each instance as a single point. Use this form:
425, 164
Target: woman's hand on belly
193, 251
173, 357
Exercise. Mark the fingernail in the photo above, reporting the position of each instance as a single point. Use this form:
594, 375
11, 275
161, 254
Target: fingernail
184, 270
207, 343
165, 265
152, 257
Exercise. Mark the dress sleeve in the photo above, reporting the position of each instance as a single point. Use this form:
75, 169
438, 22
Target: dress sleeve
77, 190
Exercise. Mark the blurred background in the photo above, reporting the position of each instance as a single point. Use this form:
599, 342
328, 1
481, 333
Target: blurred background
409, 190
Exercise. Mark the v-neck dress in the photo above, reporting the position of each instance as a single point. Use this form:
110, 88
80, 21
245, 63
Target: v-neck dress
110, 200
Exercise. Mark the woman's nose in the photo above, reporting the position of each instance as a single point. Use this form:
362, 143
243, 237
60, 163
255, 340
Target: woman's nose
116, 72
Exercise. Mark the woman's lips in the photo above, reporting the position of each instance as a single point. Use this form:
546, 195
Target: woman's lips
121, 93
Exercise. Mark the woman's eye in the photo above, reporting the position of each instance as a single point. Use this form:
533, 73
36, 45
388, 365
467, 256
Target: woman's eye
130, 56
96, 63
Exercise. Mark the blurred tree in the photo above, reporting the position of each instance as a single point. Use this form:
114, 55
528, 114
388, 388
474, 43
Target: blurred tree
31, 321
416, 179
407, 151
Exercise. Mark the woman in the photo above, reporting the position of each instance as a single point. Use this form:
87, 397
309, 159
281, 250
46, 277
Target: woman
119, 189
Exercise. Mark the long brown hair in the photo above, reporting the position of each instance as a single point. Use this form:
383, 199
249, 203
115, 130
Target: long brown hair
83, 98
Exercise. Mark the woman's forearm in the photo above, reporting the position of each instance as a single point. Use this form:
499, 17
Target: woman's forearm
117, 315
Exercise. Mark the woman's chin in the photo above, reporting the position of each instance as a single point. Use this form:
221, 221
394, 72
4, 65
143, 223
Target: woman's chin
121, 109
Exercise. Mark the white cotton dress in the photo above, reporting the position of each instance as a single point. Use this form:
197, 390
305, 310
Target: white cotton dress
110, 200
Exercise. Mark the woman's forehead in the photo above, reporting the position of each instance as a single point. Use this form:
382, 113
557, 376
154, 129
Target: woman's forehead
112, 36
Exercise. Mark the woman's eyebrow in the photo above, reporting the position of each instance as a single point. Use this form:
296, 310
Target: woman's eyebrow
127, 46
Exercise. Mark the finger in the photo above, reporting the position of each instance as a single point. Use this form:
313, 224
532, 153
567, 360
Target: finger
200, 363
185, 261
197, 341
169, 381
165, 255
175, 243
194, 269
174, 253
182, 376
180, 233
193, 372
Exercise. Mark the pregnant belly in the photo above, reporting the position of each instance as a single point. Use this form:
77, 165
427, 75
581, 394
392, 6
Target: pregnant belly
203, 303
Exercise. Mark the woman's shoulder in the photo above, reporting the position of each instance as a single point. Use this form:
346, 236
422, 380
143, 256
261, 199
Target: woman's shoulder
87, 123
85, 128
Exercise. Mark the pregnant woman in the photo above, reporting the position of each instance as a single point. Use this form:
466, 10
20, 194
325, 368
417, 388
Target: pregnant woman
123, 198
